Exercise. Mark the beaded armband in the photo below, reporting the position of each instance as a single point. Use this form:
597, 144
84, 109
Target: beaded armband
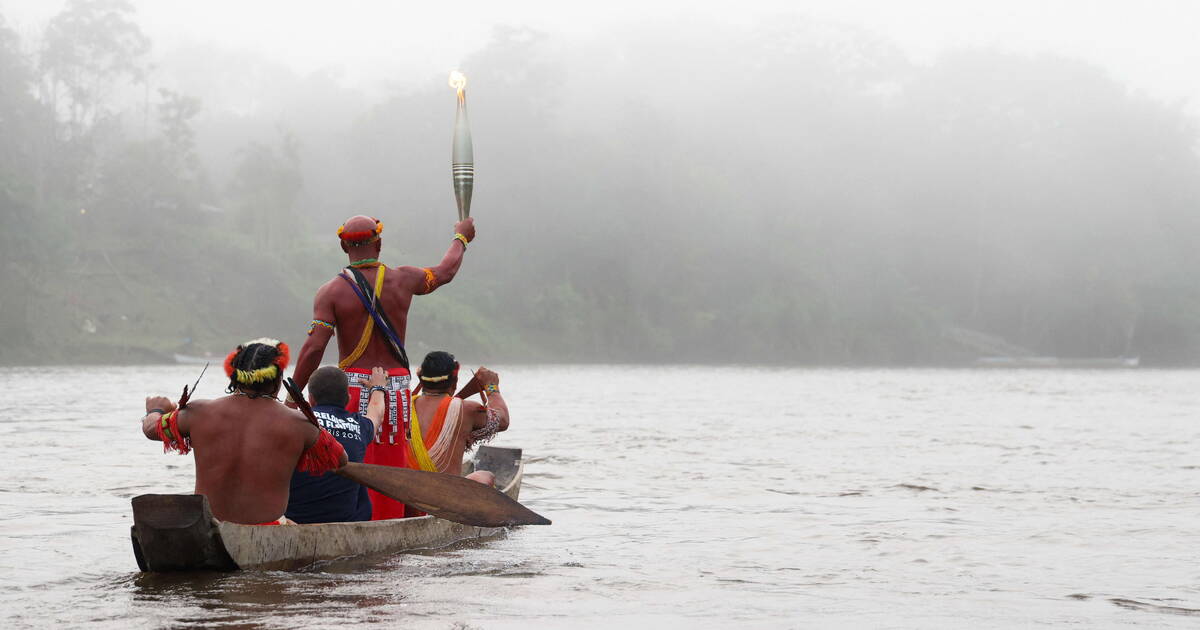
321, 323
172, 438
430, 280
491, 388
462, 239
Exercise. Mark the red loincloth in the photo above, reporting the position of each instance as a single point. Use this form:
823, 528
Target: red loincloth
390, 447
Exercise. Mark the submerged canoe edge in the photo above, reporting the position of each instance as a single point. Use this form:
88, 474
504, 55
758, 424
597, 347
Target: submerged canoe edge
177, 532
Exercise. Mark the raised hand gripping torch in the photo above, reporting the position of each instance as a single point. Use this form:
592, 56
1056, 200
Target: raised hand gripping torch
462, 157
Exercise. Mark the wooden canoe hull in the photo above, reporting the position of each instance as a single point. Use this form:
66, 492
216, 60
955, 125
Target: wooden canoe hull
178, 532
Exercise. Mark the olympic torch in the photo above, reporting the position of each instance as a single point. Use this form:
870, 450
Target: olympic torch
462, 157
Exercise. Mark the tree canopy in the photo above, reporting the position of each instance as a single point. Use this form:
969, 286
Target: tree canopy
788, 193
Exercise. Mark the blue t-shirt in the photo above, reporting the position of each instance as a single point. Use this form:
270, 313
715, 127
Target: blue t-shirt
329, 498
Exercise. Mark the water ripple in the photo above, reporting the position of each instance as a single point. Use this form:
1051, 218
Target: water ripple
837, 498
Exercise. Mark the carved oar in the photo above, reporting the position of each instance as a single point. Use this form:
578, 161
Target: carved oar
470, 389
445, 496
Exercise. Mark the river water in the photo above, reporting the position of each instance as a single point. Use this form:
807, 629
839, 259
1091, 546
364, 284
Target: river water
681, 497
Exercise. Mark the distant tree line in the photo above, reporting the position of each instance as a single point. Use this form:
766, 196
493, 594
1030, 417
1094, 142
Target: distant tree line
791, 193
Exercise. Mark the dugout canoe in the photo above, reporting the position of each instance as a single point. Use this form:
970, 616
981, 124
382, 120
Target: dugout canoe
177, 532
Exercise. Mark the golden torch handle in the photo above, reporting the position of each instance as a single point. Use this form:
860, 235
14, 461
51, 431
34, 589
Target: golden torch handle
462, 156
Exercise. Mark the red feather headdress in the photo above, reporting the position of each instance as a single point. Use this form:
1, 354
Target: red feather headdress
266, 373
361, 237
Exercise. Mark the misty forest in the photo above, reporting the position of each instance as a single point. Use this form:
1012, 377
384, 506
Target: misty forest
790, 193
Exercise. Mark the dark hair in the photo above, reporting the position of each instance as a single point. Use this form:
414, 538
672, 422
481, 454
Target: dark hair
328, 386
250, 358
437, 364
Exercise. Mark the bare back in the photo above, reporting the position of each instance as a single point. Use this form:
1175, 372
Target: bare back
399, 286
338, 310
246, 450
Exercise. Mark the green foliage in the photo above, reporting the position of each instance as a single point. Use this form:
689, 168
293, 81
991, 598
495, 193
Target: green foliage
88, 46
830, 203
264, 190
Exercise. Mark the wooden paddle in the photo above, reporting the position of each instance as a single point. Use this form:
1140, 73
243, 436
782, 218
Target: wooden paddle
445, 496
470, 389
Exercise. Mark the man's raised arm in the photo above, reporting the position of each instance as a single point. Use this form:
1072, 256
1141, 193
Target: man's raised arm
320, 331
430, 278
487, 421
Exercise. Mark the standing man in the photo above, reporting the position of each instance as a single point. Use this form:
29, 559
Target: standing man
367, 306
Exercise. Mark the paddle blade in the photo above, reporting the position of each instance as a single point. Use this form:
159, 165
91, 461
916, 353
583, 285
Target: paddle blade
445, 496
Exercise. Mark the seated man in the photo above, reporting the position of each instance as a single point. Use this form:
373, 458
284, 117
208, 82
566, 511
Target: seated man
248, 443
330, 498
444, 427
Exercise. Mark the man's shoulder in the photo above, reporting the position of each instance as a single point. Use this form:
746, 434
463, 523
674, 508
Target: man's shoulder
200, 405
232, 413
241, 407
206, 407
333, 285
405, 273
471, 406
287, 416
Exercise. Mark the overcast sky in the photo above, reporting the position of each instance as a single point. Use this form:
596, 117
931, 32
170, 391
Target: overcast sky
1150, 46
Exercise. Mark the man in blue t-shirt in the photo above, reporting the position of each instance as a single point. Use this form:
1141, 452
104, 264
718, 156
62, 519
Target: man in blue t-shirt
329, 498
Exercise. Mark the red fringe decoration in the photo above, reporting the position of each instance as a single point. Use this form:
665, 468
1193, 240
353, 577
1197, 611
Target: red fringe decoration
356, 237
322, 457
285, 354
181, 445
229, 361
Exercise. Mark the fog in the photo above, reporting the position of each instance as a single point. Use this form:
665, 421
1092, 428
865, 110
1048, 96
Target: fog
812, 183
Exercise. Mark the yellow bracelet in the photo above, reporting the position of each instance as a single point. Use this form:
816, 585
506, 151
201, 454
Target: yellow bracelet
462, 239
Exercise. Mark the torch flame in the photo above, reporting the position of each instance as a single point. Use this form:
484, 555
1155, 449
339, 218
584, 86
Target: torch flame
458, 81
